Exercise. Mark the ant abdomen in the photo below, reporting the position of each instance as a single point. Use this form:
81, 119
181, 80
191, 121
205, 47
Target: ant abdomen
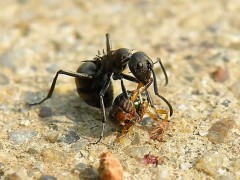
89, 89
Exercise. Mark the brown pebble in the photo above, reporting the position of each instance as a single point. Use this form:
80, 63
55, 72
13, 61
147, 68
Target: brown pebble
110, 167
219, 130
13, 176
220, 75
45, 112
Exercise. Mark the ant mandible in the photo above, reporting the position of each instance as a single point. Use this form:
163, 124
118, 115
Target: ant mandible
93, 79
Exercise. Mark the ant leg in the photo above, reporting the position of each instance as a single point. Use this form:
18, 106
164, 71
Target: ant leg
157, 93
163, 69
159, 111
108, 43
124, 89
68, 73
149, 99
103, 113
162, 111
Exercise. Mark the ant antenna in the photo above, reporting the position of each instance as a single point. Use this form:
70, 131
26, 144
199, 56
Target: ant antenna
163, 69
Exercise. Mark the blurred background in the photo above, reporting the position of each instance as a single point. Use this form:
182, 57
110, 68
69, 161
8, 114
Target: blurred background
198, 42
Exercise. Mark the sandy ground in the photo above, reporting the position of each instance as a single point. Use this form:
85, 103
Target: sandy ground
198, 43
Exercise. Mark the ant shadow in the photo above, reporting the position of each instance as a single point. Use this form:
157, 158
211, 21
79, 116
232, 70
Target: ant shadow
85, 120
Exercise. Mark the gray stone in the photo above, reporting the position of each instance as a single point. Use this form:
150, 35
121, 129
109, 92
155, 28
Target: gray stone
47, 177
70, 137
23, 136
45, 112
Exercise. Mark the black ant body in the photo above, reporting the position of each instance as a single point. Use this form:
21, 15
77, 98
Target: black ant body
94, 78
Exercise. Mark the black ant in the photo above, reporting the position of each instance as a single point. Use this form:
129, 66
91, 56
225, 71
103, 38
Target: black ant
93, 78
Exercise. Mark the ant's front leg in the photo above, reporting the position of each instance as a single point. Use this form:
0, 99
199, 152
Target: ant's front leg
157, 93
68, 73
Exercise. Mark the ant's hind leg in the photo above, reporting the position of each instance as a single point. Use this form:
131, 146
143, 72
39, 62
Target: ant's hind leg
68, 73
108, 43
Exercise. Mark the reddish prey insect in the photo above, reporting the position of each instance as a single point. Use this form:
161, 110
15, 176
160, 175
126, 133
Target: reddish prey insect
126, 112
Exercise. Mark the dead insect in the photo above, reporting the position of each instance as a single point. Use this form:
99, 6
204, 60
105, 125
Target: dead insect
126, 112
141, 66
93, 78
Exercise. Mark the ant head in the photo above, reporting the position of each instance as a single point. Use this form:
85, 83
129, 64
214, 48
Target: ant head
140, 66
120, 60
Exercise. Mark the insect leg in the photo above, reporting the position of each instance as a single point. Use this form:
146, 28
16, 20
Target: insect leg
149, 99
157, 93
103, 113
68, 73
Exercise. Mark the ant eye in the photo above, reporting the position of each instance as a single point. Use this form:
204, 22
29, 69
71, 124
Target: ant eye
139, 65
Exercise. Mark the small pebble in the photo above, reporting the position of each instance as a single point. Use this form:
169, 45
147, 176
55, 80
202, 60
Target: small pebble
226, 103
45, 112
24, 136
13, 176
220, 75
52, 155
162, 172
70, 137
79, 168
32, 151
110, 168
219, 130
202, 132
137, 152
210, 164
25, 123
147, 121
185, 166
39, 166
47, 177
89, 173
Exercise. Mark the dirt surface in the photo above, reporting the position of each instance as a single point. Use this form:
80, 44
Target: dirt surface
199, 45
